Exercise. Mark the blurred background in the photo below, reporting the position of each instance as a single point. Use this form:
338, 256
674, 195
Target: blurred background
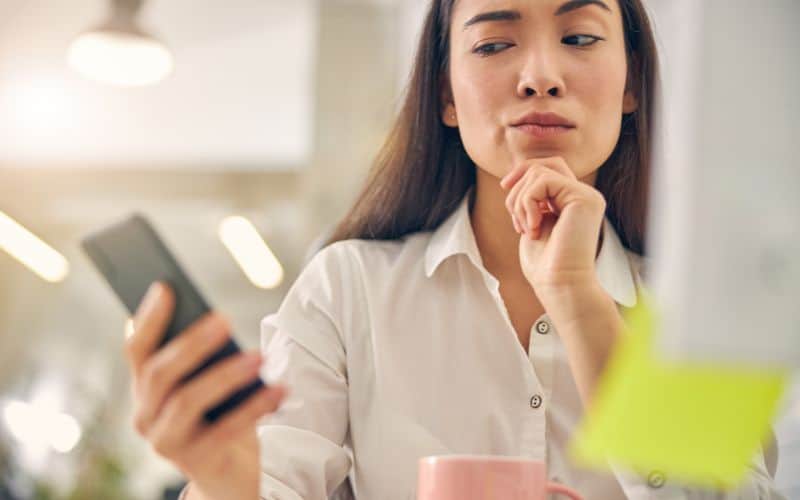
269, 110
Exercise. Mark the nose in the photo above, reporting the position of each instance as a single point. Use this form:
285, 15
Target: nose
540, 76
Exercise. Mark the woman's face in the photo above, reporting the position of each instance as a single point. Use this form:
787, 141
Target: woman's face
510, 58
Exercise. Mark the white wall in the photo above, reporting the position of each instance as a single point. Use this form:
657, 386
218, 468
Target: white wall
240, 97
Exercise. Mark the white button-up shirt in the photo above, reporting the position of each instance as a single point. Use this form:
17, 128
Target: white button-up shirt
395, 350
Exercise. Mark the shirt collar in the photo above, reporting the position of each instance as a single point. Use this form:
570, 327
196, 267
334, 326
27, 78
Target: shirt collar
455, 236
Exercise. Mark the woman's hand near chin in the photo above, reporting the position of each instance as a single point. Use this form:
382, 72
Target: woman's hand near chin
559, 219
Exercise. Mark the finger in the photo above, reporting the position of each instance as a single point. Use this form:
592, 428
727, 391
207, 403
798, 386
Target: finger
559, 164
534, 202
513, 176
171, 364
184, 409
511, 201
519, 207
151, 319
263, 402
535, 215
552, 188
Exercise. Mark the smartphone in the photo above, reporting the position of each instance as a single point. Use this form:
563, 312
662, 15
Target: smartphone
130, 255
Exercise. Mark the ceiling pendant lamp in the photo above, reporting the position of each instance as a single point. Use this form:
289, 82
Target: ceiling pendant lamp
119, 52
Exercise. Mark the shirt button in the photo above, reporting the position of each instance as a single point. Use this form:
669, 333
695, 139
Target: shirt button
536, 401
542, 327
656, 479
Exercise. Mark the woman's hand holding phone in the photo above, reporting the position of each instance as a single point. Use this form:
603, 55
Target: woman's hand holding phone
221, 459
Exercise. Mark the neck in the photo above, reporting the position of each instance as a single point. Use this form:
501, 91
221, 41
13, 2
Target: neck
497, 241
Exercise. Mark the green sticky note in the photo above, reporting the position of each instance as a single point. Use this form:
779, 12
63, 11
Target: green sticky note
699, 423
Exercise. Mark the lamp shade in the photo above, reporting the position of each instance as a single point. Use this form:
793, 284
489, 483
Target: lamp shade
119, 52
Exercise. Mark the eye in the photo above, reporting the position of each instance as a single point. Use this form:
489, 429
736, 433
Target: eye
488, 49
592, 40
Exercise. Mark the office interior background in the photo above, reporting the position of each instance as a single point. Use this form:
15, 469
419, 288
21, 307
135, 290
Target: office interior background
272, 111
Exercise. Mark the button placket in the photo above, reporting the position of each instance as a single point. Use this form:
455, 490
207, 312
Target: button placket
493, 286
542, 327
542, 353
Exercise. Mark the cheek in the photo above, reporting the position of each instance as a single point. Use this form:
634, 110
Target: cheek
601, 96
479, 98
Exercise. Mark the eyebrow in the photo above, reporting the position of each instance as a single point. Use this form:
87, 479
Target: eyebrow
514, 15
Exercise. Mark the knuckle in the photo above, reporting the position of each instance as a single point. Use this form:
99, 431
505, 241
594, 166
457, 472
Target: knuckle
153, 375
181, 402
598, 197
549, 175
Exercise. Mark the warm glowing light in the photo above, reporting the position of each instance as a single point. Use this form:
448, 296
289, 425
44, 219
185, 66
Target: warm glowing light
34, 426
31, 251
120, 58
250, 251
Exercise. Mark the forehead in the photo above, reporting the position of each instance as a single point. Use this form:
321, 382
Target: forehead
465, 10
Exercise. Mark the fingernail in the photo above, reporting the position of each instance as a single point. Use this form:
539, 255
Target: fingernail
151, 297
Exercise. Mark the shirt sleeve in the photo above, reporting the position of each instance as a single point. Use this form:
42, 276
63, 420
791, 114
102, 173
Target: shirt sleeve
302, 453
655, 485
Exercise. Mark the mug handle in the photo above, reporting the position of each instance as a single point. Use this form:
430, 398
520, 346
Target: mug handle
560, 488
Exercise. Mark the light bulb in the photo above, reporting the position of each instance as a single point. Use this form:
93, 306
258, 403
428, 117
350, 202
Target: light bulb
119, 52
120, 58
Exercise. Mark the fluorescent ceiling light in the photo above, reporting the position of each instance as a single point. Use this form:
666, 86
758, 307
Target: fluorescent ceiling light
32, 252
250, 251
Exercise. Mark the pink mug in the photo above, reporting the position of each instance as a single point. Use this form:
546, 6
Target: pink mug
485, 477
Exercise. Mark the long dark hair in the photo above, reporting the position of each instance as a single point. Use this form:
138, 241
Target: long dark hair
423, 171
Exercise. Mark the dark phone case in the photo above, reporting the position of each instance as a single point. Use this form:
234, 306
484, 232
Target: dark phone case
130, 255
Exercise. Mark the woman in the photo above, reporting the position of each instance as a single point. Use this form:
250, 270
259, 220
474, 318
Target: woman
469, 300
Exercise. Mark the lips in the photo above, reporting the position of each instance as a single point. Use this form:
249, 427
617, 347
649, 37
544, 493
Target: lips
542, 131
544, 120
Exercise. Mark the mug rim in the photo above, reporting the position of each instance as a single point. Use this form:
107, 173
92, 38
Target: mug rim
490, 458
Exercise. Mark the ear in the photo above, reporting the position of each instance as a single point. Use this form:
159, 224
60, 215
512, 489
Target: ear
629, 103
449, 116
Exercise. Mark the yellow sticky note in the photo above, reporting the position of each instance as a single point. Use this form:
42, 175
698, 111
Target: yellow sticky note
699, 423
